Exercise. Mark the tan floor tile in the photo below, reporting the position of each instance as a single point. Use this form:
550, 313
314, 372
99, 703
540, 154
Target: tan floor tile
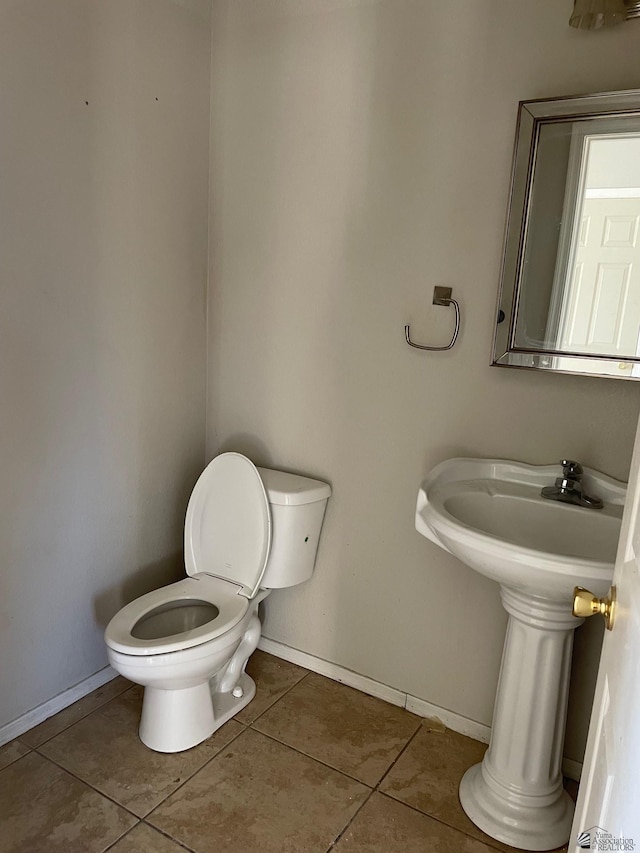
355, 733
11, 752
145, 839
105, 751
428, 773
427, 776
45, 810
273, 677
386, 825
68, 716
259, 796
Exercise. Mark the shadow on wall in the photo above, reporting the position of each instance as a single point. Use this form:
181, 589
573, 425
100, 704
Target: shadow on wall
147, 578
329, 185
255, 449
169, 569
352, 161
587, 645
250, 446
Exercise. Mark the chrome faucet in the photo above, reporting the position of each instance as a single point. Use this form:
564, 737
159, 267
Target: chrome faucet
568, 488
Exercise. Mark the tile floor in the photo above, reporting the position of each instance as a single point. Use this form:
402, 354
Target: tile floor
310, 765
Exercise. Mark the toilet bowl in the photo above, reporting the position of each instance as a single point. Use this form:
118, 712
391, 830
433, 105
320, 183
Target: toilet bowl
248, 530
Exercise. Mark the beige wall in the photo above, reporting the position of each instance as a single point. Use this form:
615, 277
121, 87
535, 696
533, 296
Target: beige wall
360, 155
104, 125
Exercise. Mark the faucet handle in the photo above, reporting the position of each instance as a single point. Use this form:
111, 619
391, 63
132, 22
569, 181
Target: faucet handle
571, 470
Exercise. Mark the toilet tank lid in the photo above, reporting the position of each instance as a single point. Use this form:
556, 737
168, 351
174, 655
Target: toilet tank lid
285, 489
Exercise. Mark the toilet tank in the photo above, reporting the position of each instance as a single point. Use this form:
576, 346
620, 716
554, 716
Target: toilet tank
297, 510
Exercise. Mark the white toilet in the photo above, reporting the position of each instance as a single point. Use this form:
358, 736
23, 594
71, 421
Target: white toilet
248, 530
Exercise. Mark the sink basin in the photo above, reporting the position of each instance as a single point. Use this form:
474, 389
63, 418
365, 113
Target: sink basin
489, 513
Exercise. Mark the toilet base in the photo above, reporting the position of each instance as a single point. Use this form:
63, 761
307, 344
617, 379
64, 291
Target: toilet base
175, 720
226, 705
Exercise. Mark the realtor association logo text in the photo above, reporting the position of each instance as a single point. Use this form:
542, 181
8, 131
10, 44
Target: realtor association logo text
598, 838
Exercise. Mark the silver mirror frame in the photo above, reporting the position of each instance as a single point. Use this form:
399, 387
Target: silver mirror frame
532, 116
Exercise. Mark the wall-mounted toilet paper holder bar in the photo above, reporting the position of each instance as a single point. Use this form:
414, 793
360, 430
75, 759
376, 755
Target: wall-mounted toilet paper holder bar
441, 296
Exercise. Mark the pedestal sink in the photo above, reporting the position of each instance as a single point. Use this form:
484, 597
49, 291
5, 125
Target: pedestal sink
489, 514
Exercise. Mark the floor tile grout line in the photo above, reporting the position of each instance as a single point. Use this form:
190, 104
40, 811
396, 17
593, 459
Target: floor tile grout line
36, 749
87, 784
281, 696
13, 761
313, 758
371, 792
111, 798
330, 766
165, 834
158, 804
84, 716
487, 841
397, 758
350, 821
376, 790
419, 811
124, 835
326, 764
155, 829
414, 809
197, 770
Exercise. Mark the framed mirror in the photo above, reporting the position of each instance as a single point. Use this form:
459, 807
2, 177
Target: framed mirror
570, 287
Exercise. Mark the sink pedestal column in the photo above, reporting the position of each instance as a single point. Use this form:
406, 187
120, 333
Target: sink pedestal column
515, 795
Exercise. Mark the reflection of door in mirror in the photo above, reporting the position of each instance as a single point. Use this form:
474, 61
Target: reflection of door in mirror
597, 285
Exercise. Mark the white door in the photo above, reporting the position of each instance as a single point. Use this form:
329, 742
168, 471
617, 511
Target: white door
608, 810
602, 300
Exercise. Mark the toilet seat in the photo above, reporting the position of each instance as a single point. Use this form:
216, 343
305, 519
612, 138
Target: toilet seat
227, 531
227, 539
224, 595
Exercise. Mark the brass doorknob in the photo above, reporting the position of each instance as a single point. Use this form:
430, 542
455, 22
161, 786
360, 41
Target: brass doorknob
585, 603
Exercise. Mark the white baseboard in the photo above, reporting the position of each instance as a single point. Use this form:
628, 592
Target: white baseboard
572, 769
38, 715
453, 721
334, 672
456, 722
